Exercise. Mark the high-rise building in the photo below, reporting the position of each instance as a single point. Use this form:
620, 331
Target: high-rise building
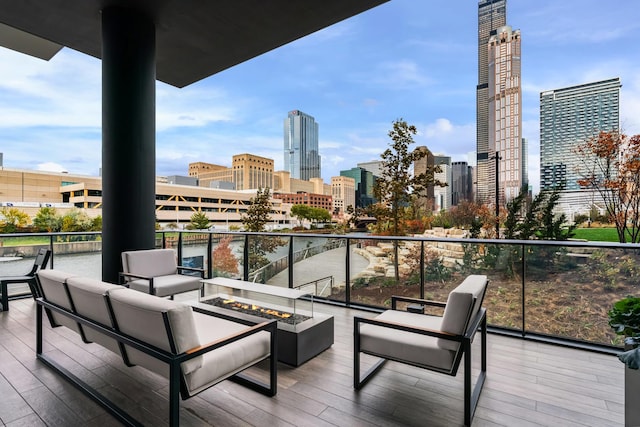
364, 181
461, 182
374, 166
442, 195
301, 156
505, 115
423, 166
568, 117
492, 14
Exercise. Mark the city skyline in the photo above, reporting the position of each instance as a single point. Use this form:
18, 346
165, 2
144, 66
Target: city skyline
404, 59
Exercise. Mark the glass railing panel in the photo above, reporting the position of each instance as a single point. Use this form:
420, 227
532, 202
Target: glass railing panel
319, 265
80, 254
569, 290
502, 264
383, 277
194, 251
226, 254
263, 252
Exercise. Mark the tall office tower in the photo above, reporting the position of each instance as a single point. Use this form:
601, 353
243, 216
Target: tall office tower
505, 115
492, 14
442, 195
461, 182
301, 157
422, 166
568, 117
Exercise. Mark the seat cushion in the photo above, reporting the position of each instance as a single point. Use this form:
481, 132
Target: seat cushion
406, 346
88, 296
52, 283
229, 359
463, 304
150, 263
167, 285
140, 315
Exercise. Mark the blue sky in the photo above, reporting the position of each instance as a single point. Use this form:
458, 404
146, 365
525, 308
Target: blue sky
409, 59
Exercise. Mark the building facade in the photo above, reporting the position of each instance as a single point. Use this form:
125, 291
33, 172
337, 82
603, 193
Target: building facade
343, 192
568, 117
505, 114
442, 195
364, 181
301, 155
252, 172
322, 201
422, 166
492, 14
461, 182
374, 166
175, 204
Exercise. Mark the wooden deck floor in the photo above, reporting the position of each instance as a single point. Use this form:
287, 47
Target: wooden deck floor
527, 384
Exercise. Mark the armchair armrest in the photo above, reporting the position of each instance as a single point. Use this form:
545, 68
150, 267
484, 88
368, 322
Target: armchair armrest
122, 275
402, 327
269, 326
199, 270
397, 298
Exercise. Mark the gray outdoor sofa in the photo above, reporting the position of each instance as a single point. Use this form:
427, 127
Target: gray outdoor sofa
193, 349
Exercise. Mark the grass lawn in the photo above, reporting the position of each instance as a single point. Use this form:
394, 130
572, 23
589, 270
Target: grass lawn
24, 241
608, 234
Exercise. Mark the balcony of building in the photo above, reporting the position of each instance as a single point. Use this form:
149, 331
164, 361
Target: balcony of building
550, 351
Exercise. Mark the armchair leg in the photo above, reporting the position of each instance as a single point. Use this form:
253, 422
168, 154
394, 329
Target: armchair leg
358, 382
471, 398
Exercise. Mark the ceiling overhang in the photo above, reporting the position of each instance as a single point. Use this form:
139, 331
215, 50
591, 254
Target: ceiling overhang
194, 38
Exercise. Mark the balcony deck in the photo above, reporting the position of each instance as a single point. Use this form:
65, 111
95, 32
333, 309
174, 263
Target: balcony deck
527, 384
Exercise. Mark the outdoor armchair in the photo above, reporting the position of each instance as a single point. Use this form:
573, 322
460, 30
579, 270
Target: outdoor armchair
156, 272
40, 262
437, 343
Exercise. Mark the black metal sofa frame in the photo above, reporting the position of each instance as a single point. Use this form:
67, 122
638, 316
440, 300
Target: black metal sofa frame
176, 383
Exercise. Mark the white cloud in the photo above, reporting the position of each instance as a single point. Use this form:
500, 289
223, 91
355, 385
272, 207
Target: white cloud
51, 167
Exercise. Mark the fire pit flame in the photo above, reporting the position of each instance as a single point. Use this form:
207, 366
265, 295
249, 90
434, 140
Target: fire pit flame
233, 304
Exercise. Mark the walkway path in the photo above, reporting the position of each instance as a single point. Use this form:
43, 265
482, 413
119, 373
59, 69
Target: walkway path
329, 263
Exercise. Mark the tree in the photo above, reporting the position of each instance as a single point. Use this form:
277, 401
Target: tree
395, 185
47, 219
610, 166
12, 220
301, 212
259, 211
198, 221
258, 215
225, 262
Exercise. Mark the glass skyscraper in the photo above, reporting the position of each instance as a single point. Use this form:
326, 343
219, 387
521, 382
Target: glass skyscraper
568, 117
301, 156
492, 14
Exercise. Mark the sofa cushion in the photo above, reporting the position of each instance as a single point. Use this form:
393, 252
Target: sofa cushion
150, 262
140, 315
229, 359
167, 285
403, 345
52, 284
88, 296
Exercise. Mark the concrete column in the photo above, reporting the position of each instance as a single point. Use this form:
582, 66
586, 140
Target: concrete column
128, 135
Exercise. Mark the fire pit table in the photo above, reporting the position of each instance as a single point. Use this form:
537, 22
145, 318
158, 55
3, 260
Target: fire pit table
302, 332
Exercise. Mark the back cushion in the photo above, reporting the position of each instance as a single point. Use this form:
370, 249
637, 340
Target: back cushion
462, 305
150, 263
140, 315
89, 301
52, 283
